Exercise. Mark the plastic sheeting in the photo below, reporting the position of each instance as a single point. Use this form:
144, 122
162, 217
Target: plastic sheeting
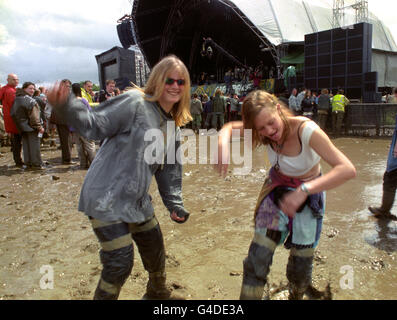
283, 21
386, 65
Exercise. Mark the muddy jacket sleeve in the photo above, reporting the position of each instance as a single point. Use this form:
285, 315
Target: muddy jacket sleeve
112, 117
34, 117
169, 182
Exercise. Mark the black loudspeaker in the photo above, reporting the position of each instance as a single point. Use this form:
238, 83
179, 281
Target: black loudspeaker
371, 87
339, 58
125, 33
117, 64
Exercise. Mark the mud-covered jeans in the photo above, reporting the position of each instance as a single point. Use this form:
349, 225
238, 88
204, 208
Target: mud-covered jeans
117, 252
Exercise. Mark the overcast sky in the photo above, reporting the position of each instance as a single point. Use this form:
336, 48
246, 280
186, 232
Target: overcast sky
47, 40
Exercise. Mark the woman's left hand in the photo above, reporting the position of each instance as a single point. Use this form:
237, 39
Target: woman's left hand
292, 201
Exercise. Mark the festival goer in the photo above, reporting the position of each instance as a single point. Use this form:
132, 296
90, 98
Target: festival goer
196, 108
7, 97
290, 206
63, 130
219, 109
339, 103
86, 91
85, 147
26, 114
323, 108
307, 105
389, 182
234, 107
108, 92
115, 191
207, 112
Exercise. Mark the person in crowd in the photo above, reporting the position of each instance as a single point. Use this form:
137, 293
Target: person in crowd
63, 131
323, 108
87, 93
85, 147
290, 207
196, 108
219, 109
307, 105
293, 102
115, 191
300, 96
108, 92
389, 182
7, 97
42, 103
207, 112
26, 115
234, 107
339, 103
204, 99
393, 97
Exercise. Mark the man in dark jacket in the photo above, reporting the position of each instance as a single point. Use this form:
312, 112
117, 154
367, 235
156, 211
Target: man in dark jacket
26, 114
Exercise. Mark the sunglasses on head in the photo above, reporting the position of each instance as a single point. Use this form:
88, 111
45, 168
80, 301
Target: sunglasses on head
171, 81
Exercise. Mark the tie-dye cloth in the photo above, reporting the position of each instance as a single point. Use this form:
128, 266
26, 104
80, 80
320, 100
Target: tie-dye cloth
304, 229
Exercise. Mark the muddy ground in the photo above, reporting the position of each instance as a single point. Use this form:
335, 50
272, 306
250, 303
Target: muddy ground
40, 226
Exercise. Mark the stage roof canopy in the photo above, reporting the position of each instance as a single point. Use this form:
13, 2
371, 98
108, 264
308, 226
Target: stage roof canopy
241, 27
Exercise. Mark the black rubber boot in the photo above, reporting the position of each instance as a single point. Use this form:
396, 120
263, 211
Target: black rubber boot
256, 268
156, 288
387, 204
299, 274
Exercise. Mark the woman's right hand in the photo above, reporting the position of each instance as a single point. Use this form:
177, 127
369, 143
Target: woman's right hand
58, 94
223, 157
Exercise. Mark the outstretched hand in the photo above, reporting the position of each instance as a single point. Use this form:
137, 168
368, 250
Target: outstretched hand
223, 156
58, 94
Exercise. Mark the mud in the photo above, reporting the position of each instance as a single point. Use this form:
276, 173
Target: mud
40, 226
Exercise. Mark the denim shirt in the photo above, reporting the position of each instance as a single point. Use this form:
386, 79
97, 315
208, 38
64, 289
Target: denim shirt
391, 160
117, 183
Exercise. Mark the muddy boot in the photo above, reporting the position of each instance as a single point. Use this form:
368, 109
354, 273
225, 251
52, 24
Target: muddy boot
256, 268
299, 274
156, 288
387, 203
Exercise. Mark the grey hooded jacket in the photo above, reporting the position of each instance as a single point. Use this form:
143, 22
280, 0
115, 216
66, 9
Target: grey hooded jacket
117, 183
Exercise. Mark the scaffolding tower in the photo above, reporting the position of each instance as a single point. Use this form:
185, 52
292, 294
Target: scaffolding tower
339, 10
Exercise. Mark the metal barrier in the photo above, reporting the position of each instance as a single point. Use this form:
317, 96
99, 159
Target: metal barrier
370, 119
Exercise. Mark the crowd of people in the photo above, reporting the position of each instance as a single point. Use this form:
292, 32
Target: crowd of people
238, 74
27, 121
212, 112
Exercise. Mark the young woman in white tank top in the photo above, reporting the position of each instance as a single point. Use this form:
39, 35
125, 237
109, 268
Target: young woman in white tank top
292, 200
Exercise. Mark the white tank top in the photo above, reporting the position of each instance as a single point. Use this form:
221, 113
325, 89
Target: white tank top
298, 165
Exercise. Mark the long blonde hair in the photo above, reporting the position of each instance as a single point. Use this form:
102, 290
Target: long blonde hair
253, 104
155, 86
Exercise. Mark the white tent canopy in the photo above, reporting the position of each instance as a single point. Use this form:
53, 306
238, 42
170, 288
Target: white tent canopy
286, 21
283, 21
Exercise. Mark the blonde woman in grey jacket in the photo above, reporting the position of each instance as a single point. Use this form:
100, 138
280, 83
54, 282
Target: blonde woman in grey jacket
115, 192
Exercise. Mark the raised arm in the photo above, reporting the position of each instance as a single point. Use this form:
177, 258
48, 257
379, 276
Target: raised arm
224, 136
110, 118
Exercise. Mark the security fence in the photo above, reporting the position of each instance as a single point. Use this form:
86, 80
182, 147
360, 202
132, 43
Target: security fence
370, 119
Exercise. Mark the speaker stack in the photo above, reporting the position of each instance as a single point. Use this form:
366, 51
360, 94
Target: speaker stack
125, 33
117, 64
341, 59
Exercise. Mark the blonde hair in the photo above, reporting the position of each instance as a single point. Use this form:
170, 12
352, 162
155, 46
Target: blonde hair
155, 86
253, 104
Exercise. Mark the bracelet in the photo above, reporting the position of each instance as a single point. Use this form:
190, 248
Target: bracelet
304, 188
